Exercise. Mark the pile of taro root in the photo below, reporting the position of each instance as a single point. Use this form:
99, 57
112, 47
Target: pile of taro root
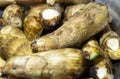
57, 39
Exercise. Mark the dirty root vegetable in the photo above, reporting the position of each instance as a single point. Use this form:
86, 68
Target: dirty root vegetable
13, 15
51, 16
52, 2
91, 49
110, 43
22, 2
101, 69
13, 42
82, 25
39, 17
66, 63
32, 25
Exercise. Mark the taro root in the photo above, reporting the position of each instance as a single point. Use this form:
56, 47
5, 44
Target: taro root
41, 17
66, 63
32, 25
101, 68
22, 2
51, 16
81, 26
13, 42
91, 49
13, 15
52, 2
110, 43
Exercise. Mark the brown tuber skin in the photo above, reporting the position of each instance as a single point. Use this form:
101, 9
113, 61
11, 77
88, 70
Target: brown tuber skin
82, 25
101, 68
13, 42
41, 17
51, 16
110, 43
22, 2
13, 15
91, 49
71, 10
32, 25
52, 2
66, 63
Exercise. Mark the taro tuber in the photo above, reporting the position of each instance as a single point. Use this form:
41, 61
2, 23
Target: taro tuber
51, 16
91, 49
32, 25
41, 17
110, 43
13, 42
66, 63
22, 2
13, 15
82, 25
52, 2
101, 69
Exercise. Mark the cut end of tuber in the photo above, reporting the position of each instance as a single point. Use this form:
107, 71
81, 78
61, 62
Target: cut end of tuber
50, 14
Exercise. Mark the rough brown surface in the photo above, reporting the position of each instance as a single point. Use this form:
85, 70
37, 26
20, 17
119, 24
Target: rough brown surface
67, 63
84, 24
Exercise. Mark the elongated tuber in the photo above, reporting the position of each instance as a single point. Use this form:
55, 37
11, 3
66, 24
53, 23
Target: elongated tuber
66, 63
82, 25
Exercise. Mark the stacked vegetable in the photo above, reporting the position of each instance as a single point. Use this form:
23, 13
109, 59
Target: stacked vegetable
56, 39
